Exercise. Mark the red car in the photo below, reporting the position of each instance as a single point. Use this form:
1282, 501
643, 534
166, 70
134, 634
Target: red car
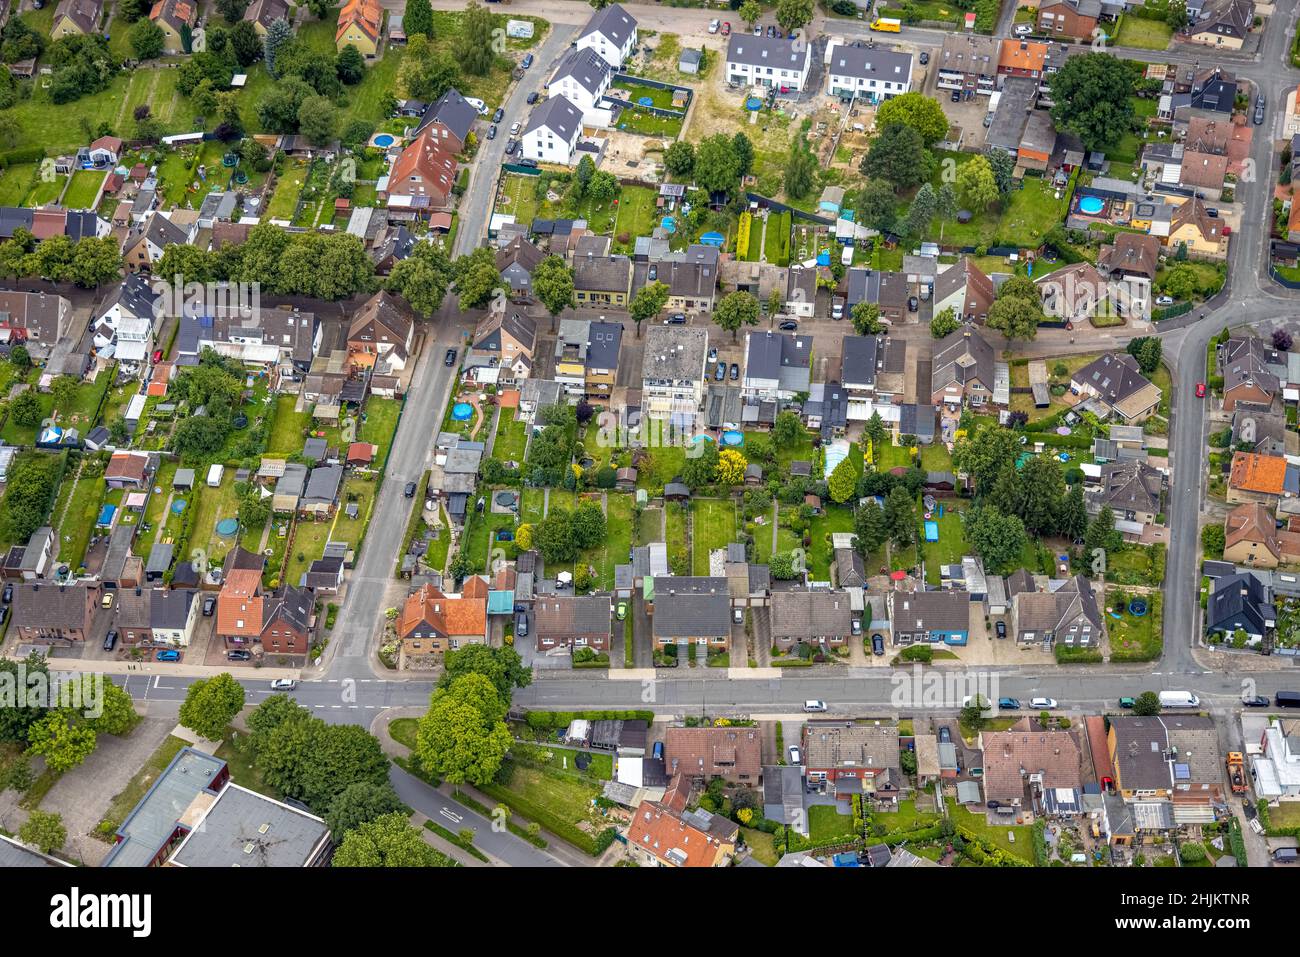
157, 356
1200, 390
726, 28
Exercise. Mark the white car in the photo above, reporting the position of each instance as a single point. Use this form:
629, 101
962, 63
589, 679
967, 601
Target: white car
713, 26
478, 105
1023, 30
1165, 301
1042, 704
795, 756
515, 128
283, 684
813, 705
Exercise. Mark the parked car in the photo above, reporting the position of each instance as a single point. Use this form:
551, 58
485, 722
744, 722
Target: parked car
1164, 300
1255, 701
492, 132
735, 372
726, 28
738, 616
988, 120
758, 29
532, 98
110, 640
168, 655
9, 592
676, 319
1008, 704
771, 30
1023, 30
239, 655
789, 325
621, 611
521, 624
283, 684
814, 705
713, 355
409, 491
529, 162
856, 626
107, 600
527, 61
1127, 702
956, 96
515, 128
499, 115
1001, 629
720, 372
713, 26
795, 756
450, 358
1200, 390
1042, 704
157, 356
209, 605
913, 304
993, 805
511, 146
877, 645
945, 736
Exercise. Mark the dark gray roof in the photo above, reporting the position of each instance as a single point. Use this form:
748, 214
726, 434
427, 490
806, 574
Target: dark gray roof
603, 342
323, 483
588, 68
557, 114
810, 614
858, 361
613, 21
1018, 95
674, 353
160, 558
169, 608
916, 419
602, 273
870, 63
452, 111
691, 616
775, 355
931, 611
153, 821
767, 51
135, 294
1240, 597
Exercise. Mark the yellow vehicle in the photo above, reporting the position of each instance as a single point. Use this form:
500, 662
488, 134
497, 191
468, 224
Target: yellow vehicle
886, 25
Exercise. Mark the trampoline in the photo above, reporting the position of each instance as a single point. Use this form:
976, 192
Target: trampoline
931, 531
383, 140
178, 506
645, 101
506, 499
1091, 205
462, 411
732, 437
227, 527
1137, 607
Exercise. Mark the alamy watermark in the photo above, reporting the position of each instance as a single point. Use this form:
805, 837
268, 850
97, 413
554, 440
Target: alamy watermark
177, 298
943, 690
83, 692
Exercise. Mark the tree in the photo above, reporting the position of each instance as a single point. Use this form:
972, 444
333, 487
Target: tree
477, 278
898, 155
869, 531
843, 482
875, 431
245, 44
1015, 318
25, 410
232, 11
350, 65
603, 187
1091, 98
553, 287
800, 170
318, 120
647, 302
877, 205
1042, 489
1213, 540
744, 154
996, 537
976, 184
277, 35
422, 278
502, 666
984, 453
1101, 535
360, 803
750, 12
63, 744
866, 318
1147, 351
918, 111
96, 261
971, 715
1282, 340
924, 205
679, 159
1146, 705
701, 469
731, 467
426, 73
582, 175
900, 517
1003, 166
387, 841
474, 45
1072, 518
463, 737
717, 167
418, 19
211, 704
945, 206
146, 40
736, 309
787, 430
15, 721
944, 324
783, 568
589, 525
793, 14
117, 711
44, 831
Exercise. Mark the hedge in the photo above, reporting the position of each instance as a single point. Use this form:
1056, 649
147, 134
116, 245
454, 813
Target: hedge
23, 154
594, 846
542, 720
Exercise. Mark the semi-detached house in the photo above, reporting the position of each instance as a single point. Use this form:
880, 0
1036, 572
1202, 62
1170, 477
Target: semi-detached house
672, 377
768, 61
582, 78
856, 70
611, 33
552, 132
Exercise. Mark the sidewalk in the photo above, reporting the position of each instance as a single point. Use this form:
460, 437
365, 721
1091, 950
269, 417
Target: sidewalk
163, 669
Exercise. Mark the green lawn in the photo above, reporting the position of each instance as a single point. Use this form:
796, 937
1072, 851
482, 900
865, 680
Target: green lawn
950, 547
834, 518
936, 458
84, 498
1023, 845
826, 824
906, 817
665, 464
511, 438
85, 187
636, 214
287, 428
714, 526
16, 183
891, 456
477, 541
214, 504
1143, 34
380, 425
652, 528
1136, 639
675, 525
618, 540
1022, 219
284, 200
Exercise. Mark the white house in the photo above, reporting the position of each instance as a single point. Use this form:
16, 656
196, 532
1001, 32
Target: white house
124, 326
610, 32
777, 366
582, 78
552, 132
768, 61
870, 73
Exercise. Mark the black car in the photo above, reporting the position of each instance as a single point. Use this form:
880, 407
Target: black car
721, 372
110, 640
9, 593
956, 96
1255, 701
945, 735
511, 146
239, 655
532, 98
409, 491
492, 132
450, 358
1001, 629
925, 58
499, 115
676, 319
877, 645
735, 372
913, 304
209, 605
528, 162
790, 325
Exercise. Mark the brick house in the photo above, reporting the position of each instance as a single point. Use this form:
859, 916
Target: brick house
572, 621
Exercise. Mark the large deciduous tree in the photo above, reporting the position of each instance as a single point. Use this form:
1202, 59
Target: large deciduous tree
463, 738
1090, 97
211, 704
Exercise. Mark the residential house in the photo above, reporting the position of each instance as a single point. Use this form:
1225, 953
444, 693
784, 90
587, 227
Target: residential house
969, 62
931, 616
660, 835
1203, 235
819, 617
451, 117
130, 469
77, 18
602, 281
1025, 762
1240, 602
1037, 141
1066, 612
156, 616
1252, 372
702, 754
1023, 58
673, 375
768, 61
1076, 293
612, 33
1252, 538
962, 370
1069, 19
176, 19
1259, 478
689, 610
280, 621
262, 13
1203, 173
360, 23
572, 621
1016, 104
854, 758
583, 78
516, 262
1277, 765
124, 323
1168, 758
422, 176
289, 487
1114, 386
778, 366
322, 492
432, 622
507, 339
1223, 24
1130, 256
380, 335
865, 71
887, 290
284, 340
1131, 489
691, 277
801, 291
34, 320
966, 290
53, 614
551, 135
145, 244
600, 366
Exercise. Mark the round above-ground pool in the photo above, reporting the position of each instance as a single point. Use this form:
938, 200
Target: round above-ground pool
227, 526
753, 104
461, 411
178, 506
506, 499
1137, 607
645, 101
1092, 205
384, 140
732, 437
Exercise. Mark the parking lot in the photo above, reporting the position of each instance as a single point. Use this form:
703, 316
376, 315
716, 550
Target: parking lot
968, 115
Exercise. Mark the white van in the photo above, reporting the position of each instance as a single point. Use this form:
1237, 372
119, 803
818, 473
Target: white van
215, 475
1179, 699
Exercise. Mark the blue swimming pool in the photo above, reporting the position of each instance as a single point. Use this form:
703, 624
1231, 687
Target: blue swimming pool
384, 140
1091, 205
